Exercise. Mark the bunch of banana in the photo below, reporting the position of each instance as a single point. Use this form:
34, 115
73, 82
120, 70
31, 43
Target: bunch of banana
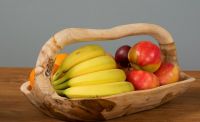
89, 72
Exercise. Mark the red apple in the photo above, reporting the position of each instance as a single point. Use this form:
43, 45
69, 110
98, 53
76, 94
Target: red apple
145, 55
142, 80
121, 56
167, 73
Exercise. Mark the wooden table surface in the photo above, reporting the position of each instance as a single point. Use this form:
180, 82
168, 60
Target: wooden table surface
15, 107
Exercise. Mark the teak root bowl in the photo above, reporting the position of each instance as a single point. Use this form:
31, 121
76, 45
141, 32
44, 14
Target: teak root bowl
43, 96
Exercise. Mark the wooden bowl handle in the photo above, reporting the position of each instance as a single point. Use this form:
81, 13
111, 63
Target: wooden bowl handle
73, 35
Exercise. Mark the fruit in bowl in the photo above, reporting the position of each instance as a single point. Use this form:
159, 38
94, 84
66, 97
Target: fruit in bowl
167, 73
145, 55
121, 56
147, 69
142, 80
90, 72
79, 55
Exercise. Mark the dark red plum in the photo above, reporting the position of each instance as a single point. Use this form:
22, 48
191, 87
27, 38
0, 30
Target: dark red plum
121, 55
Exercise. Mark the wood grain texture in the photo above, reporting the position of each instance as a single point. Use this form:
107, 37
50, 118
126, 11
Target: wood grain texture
14, 106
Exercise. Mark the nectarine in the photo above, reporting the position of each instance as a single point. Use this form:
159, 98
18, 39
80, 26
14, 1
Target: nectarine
145, 55
142, 80
167, 73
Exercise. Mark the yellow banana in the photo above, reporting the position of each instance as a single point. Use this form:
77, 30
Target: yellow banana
92, 65
100, 77
100, 90
81, 54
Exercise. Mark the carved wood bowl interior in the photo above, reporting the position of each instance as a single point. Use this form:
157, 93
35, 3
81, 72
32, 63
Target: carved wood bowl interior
44, 97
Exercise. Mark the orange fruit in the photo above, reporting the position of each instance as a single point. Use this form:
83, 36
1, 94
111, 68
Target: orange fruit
58, 62
60, 58
32, 77
55, 68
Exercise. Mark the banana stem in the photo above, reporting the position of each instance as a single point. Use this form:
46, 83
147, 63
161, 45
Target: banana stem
62, 86
57, 75
61, 80
60, 92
